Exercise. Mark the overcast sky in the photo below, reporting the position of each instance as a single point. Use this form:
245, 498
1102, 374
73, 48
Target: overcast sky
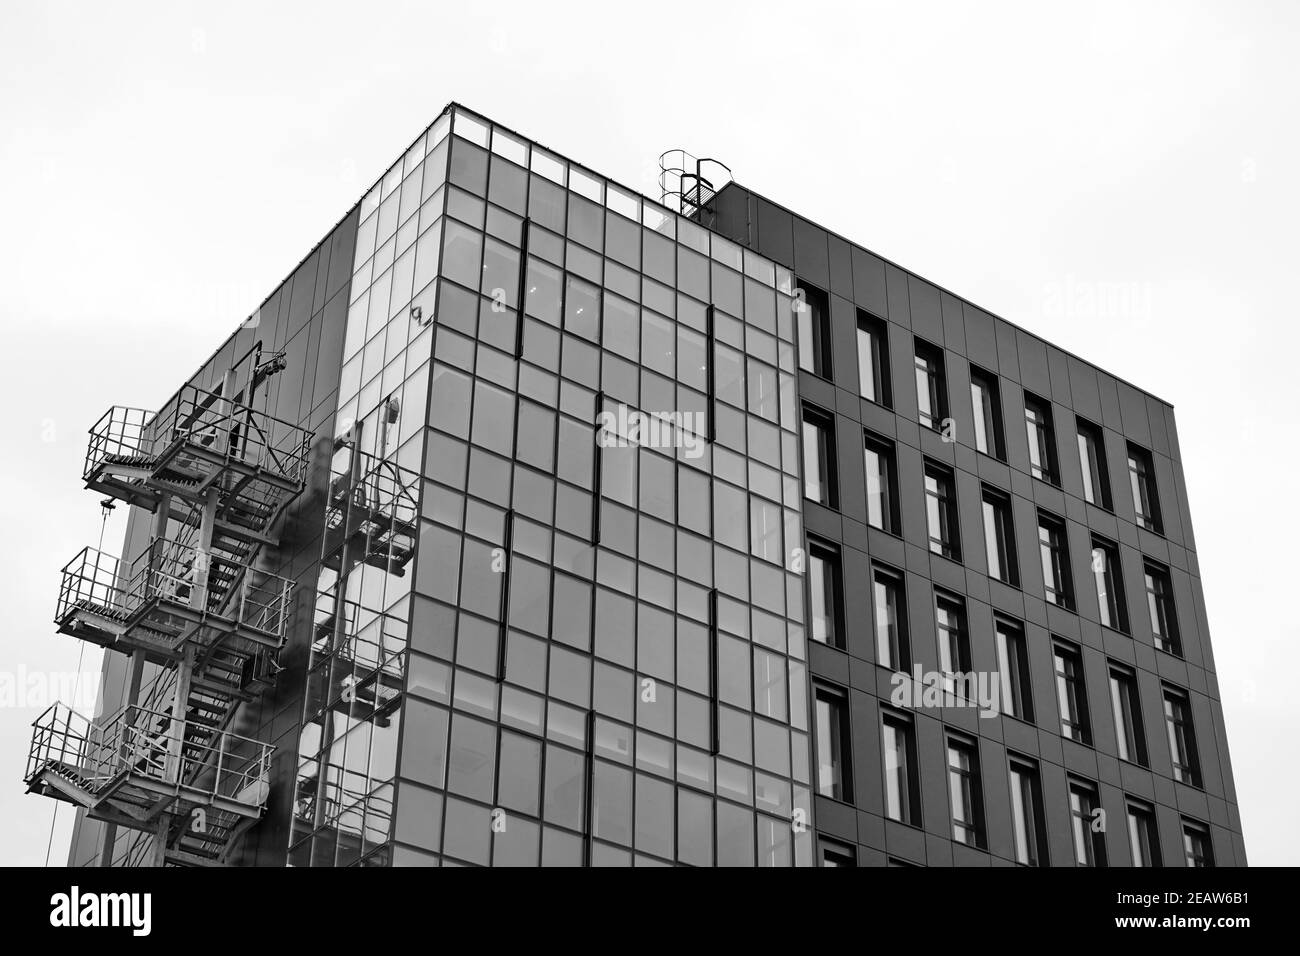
1119, 178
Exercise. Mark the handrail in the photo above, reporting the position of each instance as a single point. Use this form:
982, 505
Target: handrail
140, 741
169, 570
198, 415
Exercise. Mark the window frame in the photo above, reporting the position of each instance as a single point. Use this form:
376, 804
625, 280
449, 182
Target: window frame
909, 797
1071, 692
996, 503
1158, 582
1040, 431
876, 332
1140, 821
1126, 712
900, 657
928, 363
839, 745
1054, 560
823, 423
1144, 489
1028, 825
1012, 649
1089, 845
1180, 735
815, 304
1108, 581
830, 557
1091, 440
944, 497
990, 421
886, 453
967, 780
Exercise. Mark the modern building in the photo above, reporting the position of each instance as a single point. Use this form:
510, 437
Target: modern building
533, 522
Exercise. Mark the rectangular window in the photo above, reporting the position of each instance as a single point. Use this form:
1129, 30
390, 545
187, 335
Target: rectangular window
1089, 841
954, 641
1182, 737
1126, 709
986, 403
999, 537
834, 777
1042, 439
835, 853
825, 594
1071, 696
1143, 846
1160, 605
873, 359
941, 511
813, 325
931, 386
1142, 481
1055, 554
1027, 826
1109, 579
1013, 669
891, 622
818, 458
964, 792
882, 489
1092, 461
902, 799
1196, 844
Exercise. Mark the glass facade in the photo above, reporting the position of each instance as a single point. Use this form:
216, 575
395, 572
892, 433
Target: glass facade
563, 619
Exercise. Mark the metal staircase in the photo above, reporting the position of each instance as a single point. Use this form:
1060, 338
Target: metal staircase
197, 603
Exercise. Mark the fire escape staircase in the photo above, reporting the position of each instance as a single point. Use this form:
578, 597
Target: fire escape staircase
197, 605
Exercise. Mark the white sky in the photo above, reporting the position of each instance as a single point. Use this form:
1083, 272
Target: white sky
1118, 178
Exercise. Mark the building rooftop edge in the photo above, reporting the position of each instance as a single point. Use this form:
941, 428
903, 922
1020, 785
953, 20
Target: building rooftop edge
857, 245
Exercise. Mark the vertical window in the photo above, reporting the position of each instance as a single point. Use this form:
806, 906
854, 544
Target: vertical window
1027, 826
1013, 669
833, 773
902, 801
1092, 462
1160, 605
964, 792
1182, 737
813, 322
1142, 481
1196, 844
954, 642
838, 854
818, 458
1110, 584
1071, 696
825, 592
1042, 439
999, 537
882, 490
1142, 843
1055, 559
931, 388
941, 511
891, 633
873, 359
986, 403
1089, 843
1127, 712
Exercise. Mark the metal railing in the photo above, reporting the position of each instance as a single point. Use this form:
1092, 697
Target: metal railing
148, 743
235, 431
171, 571
120, 432
197, 416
